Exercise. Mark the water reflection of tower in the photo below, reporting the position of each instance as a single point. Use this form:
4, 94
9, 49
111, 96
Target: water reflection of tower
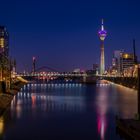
102, 107
33, 96
102, 35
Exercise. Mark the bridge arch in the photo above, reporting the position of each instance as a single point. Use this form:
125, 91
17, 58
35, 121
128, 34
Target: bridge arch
46, 68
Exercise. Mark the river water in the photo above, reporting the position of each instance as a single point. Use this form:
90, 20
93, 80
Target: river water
67, 111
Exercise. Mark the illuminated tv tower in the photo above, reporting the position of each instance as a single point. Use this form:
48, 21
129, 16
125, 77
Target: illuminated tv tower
102, 35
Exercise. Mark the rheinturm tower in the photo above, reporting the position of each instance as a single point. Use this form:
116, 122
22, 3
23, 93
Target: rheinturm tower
102, 35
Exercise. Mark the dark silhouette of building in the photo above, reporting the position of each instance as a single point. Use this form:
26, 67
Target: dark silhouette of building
4, 56
4, 41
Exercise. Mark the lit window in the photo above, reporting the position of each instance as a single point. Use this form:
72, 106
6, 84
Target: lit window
2, 42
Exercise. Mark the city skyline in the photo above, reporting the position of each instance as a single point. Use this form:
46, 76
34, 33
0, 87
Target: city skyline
69, 69
64, 35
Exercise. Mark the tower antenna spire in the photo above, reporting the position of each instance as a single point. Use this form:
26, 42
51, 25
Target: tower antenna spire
102, 26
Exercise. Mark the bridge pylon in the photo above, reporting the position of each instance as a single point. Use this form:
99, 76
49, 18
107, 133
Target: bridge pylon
33, 64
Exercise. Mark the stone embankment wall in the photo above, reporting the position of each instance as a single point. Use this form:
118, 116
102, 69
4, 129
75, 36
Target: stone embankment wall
131, 82
6, 96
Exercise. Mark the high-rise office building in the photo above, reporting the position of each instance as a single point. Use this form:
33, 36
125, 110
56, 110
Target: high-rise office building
122, 60
116, 60
96, 69
126, 60
102, 35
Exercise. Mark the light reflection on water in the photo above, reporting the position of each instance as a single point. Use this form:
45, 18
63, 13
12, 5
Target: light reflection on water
121, 100
1, 125
102, 109
97, 104
39, 97
124, 103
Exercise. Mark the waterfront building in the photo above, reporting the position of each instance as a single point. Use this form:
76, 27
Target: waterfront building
4, 41
77, 70
96, 69
4, 56
122, 61
116, 63
102, 35
127, 60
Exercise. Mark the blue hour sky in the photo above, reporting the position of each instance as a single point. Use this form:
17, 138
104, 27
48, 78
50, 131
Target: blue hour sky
63, 33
